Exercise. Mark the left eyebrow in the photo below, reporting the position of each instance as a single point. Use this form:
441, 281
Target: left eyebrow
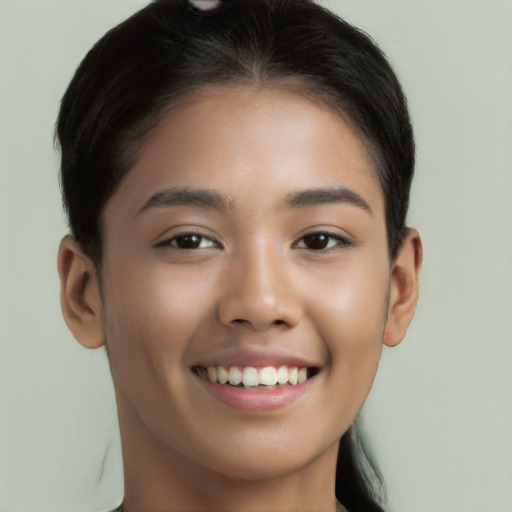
199, 198
318, 196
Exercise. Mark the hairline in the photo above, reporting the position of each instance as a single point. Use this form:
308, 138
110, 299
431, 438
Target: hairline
299, 86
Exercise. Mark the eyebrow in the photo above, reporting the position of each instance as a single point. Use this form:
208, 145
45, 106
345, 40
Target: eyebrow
177, 196
211, 199
318, 196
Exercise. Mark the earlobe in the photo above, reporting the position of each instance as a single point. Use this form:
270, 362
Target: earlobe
80, 294
403, 289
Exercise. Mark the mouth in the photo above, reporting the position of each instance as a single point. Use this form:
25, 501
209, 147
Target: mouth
253, 377
256, 380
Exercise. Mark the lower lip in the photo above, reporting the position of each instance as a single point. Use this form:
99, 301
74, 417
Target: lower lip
248, 399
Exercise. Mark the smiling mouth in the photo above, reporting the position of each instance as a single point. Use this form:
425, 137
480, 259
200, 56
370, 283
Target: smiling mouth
251, 377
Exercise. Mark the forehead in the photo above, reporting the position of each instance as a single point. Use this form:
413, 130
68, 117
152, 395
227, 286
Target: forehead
247, 141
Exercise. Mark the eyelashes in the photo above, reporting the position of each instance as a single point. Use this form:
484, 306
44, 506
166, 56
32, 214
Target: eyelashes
322, 241
318, 241
190, 241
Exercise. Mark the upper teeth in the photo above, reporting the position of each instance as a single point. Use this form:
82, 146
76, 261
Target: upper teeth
250, 376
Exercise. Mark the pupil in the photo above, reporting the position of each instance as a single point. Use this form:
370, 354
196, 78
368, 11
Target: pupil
188, 242
317, 241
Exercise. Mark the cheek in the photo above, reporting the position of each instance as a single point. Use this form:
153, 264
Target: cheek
151, 311
350, 319
351, 300
150, 320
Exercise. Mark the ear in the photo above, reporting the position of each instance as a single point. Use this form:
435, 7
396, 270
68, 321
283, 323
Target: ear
403, 289
80, 294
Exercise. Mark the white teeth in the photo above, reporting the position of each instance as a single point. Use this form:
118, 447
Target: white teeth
268, 376
282, 374
235, 375
222, 375
250, 377
212, 373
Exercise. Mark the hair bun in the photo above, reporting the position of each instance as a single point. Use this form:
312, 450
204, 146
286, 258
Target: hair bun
204, 6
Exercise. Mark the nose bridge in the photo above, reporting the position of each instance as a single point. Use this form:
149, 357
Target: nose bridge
257, 290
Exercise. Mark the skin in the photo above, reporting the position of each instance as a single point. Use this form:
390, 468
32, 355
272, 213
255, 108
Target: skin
255, 282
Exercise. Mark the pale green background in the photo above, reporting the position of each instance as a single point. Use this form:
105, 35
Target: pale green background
440, 415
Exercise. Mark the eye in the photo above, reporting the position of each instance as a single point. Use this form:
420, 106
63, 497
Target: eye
189, 241
322, 242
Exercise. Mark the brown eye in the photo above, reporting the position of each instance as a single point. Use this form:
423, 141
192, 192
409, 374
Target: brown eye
322, 242
317, 241
189, 241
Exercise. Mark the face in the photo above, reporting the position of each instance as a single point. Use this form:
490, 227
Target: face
248, 243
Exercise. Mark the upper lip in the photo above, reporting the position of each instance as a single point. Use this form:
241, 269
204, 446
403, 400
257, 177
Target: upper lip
257, 357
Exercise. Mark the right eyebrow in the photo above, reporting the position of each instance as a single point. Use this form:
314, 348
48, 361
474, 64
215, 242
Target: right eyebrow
179, 196
318, 196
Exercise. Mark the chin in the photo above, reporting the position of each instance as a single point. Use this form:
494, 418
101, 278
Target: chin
265, 466
265, 455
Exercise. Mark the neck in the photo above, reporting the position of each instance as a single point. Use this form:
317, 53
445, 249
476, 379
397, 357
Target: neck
160, 479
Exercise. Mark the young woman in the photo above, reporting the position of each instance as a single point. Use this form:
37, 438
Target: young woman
236, 177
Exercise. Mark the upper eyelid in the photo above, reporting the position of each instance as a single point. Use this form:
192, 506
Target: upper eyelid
340, 238
332, 234
184, 230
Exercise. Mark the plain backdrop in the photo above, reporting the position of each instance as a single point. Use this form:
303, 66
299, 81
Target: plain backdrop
439, 418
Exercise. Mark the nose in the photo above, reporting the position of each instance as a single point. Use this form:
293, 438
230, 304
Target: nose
258, 293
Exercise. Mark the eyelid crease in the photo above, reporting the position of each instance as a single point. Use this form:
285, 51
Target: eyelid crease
327, 229
184, 229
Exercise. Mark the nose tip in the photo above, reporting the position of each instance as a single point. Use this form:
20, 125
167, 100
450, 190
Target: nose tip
259, 298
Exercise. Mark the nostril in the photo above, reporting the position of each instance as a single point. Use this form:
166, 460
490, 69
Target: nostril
242, 321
